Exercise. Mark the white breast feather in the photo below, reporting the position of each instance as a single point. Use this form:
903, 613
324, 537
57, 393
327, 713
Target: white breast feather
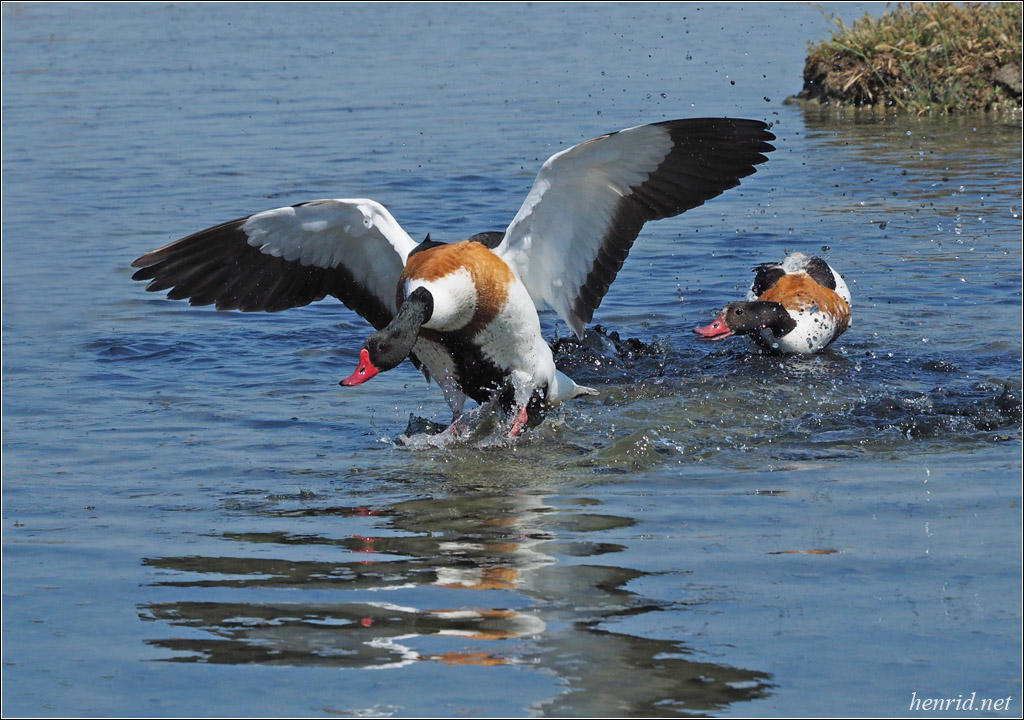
454, 296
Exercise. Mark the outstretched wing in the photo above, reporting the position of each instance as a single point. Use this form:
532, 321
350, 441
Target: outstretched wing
288, 257
588, 204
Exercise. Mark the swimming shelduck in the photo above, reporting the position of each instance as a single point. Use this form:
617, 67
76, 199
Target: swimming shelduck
798, 306
465, 313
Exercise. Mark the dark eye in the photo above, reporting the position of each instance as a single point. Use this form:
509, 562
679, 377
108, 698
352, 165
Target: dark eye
739, 312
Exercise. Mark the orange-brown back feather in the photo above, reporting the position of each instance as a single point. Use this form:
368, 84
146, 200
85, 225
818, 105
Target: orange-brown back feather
800, 292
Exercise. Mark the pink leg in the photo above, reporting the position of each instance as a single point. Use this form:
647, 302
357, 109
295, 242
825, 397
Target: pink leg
455, 430
519, 424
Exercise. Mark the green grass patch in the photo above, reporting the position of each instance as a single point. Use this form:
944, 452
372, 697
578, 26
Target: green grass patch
925, 58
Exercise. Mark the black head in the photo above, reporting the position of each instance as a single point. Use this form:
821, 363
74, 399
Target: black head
388, 347
744, 318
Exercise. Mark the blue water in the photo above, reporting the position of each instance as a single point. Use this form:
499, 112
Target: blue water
198, 521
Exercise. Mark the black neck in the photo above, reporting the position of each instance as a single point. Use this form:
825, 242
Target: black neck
391, 345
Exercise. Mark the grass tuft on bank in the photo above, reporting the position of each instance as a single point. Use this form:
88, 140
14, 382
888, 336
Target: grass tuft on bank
925, 58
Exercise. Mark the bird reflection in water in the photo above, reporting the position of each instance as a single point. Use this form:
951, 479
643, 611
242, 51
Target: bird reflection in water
476, 581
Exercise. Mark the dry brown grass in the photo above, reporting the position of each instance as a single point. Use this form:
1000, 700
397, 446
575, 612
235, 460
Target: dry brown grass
924, 58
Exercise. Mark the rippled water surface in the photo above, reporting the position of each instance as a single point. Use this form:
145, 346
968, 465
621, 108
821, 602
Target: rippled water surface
198, 521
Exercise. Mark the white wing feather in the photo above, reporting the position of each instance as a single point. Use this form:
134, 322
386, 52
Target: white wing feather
355, 234
556, 235
288, 257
